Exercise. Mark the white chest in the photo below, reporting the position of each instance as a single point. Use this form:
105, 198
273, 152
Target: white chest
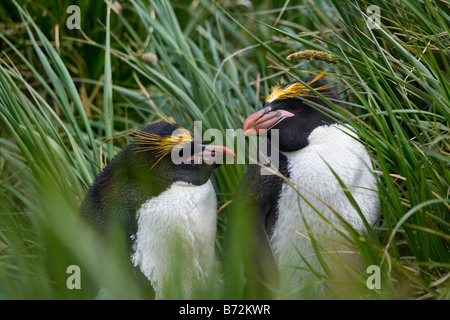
174, 243
314, 189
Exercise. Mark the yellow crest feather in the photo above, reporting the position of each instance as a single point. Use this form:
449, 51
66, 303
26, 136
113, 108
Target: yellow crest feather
296, 89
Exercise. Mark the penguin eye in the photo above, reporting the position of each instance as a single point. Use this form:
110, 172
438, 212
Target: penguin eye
297, 109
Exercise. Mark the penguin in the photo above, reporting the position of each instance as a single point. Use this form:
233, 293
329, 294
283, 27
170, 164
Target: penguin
303, 205
157, 192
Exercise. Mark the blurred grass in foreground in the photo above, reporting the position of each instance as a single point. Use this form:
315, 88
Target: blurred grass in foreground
62, 118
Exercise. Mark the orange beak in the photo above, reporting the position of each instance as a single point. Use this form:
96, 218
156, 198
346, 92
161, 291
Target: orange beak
264, 119
213, 149
210, 150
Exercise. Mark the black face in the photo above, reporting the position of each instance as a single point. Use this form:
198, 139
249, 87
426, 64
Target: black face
185, 162
194, 168
294, 131
295, 118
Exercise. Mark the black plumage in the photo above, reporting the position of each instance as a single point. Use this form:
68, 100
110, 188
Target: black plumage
295, 111
135, 175
144, 170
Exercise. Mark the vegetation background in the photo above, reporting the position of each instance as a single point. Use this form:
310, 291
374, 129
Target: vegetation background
72, 98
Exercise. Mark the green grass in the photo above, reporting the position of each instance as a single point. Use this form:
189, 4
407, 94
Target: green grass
71, 99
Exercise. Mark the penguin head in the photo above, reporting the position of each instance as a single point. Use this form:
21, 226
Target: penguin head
293, 109
170, 153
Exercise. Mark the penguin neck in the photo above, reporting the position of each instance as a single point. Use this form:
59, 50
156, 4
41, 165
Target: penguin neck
149, 182
321, 136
